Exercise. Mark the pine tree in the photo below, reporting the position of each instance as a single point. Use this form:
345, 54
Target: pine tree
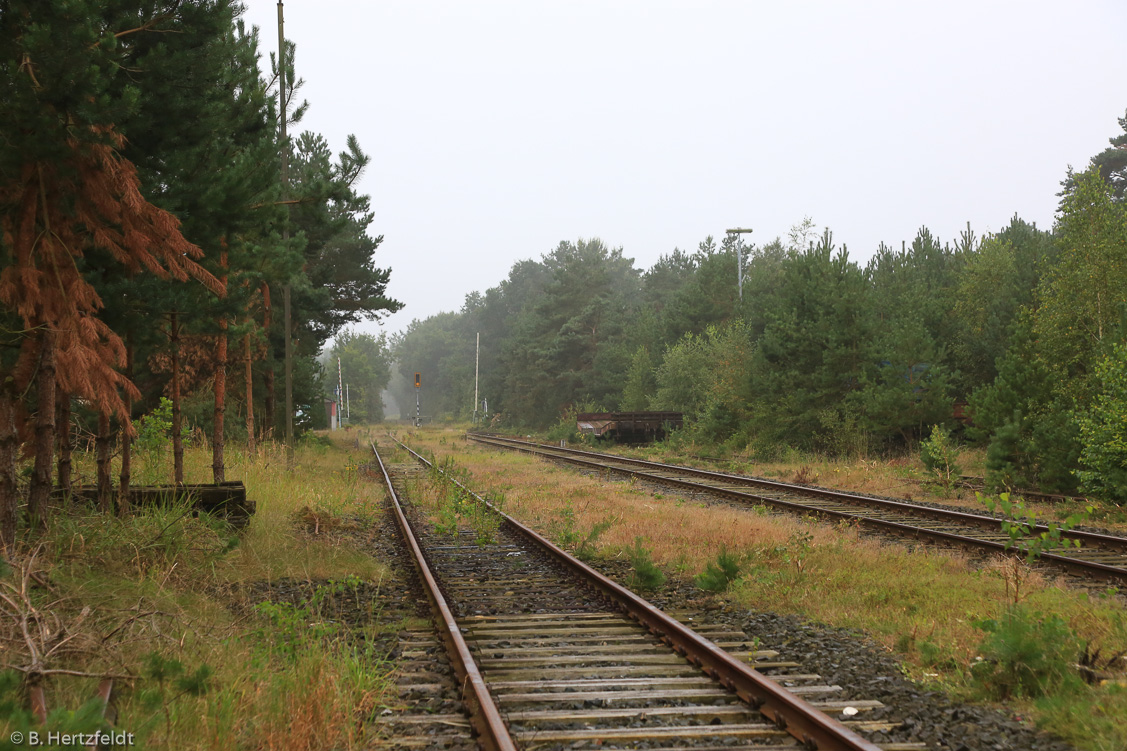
65, 191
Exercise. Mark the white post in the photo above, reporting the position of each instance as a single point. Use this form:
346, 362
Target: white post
340, 389
739, 233
740, 264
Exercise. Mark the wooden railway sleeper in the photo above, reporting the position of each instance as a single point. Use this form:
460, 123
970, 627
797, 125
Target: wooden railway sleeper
786, 710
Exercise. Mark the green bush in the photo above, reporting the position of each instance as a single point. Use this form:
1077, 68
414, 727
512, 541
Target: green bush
1103, 432
647, 576
1025, 656
939, 453
718, 576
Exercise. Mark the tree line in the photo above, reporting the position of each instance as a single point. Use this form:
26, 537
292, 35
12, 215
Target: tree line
1015, 338
145, 237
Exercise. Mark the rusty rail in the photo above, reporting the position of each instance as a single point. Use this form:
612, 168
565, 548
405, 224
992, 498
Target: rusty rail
789, 712
492, 734
1090, 568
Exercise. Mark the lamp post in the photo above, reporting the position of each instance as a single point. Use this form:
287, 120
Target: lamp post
739, 232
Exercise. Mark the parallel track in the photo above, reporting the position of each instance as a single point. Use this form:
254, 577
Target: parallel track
554, 655
1101, 556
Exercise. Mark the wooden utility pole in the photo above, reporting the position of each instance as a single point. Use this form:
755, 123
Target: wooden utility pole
288, 313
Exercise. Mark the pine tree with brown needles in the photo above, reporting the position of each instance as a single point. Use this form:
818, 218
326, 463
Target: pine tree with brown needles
65, 190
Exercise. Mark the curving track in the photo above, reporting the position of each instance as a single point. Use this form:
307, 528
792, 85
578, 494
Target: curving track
1100, 555
553, 655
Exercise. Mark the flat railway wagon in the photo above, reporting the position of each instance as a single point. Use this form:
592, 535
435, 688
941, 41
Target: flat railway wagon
628, 427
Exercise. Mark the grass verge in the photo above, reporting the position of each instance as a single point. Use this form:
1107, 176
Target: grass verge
933, 609
177, 608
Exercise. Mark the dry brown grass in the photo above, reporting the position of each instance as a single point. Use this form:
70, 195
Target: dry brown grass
902, 476
824, 572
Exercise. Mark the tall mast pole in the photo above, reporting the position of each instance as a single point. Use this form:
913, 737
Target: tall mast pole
476, 362
286, 235
739, 246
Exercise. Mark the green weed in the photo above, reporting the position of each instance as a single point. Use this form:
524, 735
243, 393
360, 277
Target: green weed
568, 534
797, 550
718, 576
647, 576
171, 675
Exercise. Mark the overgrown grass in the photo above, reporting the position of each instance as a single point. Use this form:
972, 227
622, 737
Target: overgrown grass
452, 508
931, 608
162, 598
899, 476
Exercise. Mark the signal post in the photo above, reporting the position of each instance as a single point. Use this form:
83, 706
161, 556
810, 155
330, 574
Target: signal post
418, 388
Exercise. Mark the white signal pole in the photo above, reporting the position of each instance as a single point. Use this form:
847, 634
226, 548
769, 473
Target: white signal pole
740, 257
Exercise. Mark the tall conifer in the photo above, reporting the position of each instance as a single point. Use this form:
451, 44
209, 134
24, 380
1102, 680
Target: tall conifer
66, 190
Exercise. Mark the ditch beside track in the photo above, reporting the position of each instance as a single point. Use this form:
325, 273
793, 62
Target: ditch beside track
553, 655
1099, 556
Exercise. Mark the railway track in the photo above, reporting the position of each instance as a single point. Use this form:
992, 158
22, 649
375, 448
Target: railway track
552, 655
1100, 556
979, 483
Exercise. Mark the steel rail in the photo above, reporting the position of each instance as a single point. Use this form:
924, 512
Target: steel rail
492, 733
789, 712
1090, 568
978, 483
987, 521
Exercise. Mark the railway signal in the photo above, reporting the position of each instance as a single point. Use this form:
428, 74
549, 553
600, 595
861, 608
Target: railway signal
418, 387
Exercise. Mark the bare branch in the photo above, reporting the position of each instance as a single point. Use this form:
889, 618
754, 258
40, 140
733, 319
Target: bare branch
147, 26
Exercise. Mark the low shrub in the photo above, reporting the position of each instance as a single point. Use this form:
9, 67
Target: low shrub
939, 453
718, 576
647, 576
1024, 655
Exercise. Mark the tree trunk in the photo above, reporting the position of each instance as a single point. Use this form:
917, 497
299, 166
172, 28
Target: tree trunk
126, 438
63, 436
217, 468
9, 448
103, 458
41, 479
249, 360
177, 440
268, 371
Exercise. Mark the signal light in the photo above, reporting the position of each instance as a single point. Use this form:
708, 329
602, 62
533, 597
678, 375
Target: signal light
418, 380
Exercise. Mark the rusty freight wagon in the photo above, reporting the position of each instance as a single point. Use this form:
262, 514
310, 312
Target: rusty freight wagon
628, 426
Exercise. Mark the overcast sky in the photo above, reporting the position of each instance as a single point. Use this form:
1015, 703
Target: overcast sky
499, 128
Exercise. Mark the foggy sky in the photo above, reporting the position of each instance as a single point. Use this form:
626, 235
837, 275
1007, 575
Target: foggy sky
499, 128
